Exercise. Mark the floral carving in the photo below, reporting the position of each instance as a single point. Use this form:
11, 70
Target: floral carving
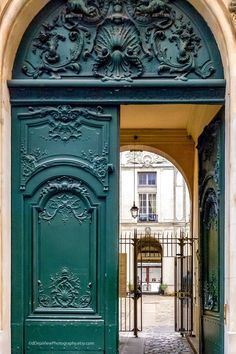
119, 40
65, 200
66, 205
118, 47
188, 45
99, 163
65, 124
144, 159
64, 292
211, 293
64, 184
48, 46
29, 162
66, 121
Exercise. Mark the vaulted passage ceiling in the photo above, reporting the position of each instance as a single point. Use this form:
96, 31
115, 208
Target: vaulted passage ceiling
191, 117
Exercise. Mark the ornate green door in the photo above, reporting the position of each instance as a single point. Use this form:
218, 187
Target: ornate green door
75, 56
211, 181
64, 232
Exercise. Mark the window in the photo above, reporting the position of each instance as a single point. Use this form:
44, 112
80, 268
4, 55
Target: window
147, 207
146, 178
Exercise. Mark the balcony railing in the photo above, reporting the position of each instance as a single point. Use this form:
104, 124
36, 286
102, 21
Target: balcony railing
151, 217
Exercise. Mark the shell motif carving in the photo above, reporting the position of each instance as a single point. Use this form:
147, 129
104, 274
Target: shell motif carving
64, 291
118, 48
118, 40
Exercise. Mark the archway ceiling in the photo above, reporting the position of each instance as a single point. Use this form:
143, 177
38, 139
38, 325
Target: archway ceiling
191, 117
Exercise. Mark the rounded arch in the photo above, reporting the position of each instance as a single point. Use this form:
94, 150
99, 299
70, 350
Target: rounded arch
151, 246
216, 15
178, 164
15, 18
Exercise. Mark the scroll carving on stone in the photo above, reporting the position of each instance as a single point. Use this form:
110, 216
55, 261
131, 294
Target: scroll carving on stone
119, 40
232, 9
64, 292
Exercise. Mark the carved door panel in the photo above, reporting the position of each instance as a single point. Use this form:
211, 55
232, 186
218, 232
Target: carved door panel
211, 184
64, 231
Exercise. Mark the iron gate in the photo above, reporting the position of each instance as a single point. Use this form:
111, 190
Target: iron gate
141, 251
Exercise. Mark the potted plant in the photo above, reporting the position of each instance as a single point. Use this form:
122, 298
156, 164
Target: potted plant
163, 288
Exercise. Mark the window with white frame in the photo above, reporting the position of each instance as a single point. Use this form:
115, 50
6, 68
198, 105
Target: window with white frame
147, 179
147, 207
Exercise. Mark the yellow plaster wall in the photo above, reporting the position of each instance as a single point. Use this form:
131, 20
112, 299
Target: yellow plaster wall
173, 144
171, 130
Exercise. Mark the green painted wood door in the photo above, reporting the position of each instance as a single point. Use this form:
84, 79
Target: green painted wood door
64, 229
211, 181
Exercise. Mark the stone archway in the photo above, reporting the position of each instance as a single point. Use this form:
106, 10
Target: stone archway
5, 134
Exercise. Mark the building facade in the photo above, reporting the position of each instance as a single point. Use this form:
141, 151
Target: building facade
161, 194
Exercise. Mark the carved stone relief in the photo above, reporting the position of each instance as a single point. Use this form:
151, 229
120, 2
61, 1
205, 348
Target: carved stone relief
144, 159
232, 9
118, 40
64, 291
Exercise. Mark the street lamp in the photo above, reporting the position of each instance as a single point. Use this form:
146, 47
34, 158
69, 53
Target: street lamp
134, 209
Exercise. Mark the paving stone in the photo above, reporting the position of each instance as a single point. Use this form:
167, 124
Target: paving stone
158, 329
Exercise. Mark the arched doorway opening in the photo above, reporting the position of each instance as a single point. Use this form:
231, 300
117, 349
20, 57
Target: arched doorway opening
149, 262
158, 242
20, 92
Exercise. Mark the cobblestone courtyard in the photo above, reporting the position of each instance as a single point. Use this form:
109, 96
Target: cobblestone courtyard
158, 332
158, 326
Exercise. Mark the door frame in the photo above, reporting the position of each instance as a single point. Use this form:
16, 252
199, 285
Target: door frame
78, 93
